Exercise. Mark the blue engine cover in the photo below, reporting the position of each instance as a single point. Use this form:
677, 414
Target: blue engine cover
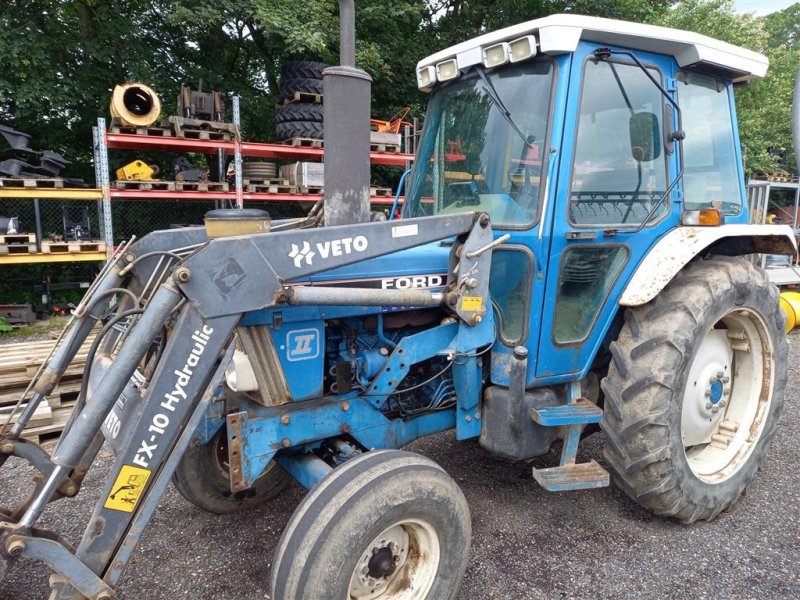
301, 349
300, 337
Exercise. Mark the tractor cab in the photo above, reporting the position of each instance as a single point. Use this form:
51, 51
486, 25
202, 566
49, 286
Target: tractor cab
588, 141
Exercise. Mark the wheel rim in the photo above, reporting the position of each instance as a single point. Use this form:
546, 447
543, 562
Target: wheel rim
727, 396
400, 563
219, 457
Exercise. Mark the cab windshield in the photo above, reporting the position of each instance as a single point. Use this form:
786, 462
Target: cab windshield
472, 157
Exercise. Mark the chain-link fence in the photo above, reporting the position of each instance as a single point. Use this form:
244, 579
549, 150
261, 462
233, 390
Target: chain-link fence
140, 217
52, 221
56, 220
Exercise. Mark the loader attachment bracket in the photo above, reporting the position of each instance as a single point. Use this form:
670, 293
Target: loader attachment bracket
215, 279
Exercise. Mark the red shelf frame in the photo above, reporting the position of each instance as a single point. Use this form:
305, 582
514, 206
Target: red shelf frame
255, 149
155, 195
166, 144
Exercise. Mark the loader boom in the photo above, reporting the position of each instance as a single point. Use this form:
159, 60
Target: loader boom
205, 305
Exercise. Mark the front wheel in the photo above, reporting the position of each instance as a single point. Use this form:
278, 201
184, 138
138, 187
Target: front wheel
385, 525
202, 477
694, 390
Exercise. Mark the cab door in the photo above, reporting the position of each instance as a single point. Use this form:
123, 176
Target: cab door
614, 170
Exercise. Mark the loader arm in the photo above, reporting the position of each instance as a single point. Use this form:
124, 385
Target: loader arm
201, 288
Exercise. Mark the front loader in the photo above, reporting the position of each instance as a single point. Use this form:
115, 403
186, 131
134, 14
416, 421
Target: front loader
570, 254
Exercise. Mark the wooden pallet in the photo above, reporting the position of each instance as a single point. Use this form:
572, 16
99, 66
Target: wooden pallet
204, 134
49, 247
201, 186
302, 97
52, 431
142, 185
384, 148
18, 249
373, 190
63, 396
116, 127
30, 353
22, 377
33, 182
271, 189
782, 179
18, 238
18, 364
18, 372
200, 128
311, 189
43, 415
301, 141
380, 191
263, 181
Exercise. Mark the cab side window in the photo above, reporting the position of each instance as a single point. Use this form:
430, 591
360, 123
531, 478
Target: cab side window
619, 171
711, 175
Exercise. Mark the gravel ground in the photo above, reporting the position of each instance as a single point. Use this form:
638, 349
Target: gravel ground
527, 543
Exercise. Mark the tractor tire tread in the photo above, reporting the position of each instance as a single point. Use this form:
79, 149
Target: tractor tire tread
303, 69
305, 85
300, 111
331, 507
302, 129
638, 389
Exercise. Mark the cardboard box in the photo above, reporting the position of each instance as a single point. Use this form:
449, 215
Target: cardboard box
384, 139
304, 174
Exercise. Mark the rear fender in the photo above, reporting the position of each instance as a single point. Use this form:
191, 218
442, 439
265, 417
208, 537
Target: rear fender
679, 246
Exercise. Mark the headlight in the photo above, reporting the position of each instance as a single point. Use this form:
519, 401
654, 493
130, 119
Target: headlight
426, 77
447, 70
494, 56
523, 48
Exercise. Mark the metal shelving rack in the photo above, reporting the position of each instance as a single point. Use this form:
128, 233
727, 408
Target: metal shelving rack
36, 194
105, 140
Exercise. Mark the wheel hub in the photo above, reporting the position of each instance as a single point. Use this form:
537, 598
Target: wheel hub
380, 563
726, 396
383, 562
707, 389
715, 391
399, 564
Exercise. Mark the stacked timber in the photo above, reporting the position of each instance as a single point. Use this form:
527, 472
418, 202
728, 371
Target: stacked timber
18, 365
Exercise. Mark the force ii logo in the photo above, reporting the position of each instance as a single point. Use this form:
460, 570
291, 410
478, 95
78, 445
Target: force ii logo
327, 249
302, 344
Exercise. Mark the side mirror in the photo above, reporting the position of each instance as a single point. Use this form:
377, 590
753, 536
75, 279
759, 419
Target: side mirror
645, 136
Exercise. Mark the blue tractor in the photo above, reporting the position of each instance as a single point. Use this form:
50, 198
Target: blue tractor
571, 254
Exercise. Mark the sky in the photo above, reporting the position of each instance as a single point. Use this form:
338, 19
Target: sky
762, 7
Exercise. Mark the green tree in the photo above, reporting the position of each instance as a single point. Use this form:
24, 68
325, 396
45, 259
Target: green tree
764, 107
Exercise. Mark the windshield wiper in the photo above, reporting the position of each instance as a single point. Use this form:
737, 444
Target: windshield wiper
491, 91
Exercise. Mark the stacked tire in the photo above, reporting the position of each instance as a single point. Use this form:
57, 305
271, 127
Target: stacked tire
259, 170
300, 117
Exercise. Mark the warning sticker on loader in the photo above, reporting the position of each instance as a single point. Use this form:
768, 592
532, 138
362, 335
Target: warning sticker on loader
127, 488
472, 303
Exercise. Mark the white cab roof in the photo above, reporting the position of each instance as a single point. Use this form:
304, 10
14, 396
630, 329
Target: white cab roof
559, 34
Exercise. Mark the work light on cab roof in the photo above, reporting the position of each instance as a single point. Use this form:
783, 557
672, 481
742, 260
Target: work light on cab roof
560, 34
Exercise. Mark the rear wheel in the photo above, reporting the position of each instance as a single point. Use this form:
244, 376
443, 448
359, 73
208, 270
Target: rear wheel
694, 390
202, 477
385, 525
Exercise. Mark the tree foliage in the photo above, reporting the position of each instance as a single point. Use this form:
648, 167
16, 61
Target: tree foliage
61, 58
764, 107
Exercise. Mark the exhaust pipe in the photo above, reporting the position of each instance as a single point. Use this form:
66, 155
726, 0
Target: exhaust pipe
347, 94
